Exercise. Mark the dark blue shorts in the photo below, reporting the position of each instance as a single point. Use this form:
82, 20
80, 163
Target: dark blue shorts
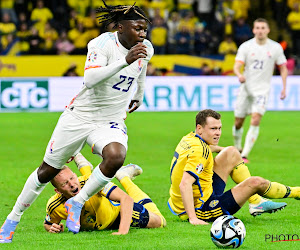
219, 203
140, 215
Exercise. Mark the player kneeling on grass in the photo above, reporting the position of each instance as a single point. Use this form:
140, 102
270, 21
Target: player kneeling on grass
111, 208
198, 180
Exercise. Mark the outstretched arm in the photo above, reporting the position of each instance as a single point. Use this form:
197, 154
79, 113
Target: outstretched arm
237, 70
186, 191
283, 73
126, 209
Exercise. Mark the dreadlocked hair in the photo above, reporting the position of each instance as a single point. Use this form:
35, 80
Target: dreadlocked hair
115, 14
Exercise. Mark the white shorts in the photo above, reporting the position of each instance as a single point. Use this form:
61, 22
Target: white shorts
71, 134
247, 103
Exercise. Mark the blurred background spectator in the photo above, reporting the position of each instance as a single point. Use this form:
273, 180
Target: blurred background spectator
158, 35
79, 37
63, 45
227, 46
49, 35
202, 38
242, 31
40, 15
205, 11
172, 25
7, 6
23, 34
183, 38
7, 30
293, 20
71, 71
35, 42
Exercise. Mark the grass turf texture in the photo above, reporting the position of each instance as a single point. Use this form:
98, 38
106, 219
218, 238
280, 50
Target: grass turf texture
152, 141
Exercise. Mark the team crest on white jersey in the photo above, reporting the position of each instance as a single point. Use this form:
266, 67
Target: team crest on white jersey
199, 168
92, 56
51, 146
140, 65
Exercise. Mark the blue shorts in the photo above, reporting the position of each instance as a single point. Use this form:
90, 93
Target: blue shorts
219, 203
140, 216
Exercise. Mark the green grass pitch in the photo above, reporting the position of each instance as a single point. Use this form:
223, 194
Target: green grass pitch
152, 140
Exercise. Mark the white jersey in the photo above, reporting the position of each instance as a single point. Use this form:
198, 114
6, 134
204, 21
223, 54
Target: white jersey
259, 63
109, 98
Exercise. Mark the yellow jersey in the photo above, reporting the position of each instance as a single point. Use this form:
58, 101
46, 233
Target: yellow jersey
293, 18
194, 156
98, 212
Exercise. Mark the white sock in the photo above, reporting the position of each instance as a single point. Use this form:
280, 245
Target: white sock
251, 137
93, 185
237, 136
30, 192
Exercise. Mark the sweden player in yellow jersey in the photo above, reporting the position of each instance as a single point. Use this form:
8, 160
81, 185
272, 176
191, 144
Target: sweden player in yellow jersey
110, 208
186, 159
198, 180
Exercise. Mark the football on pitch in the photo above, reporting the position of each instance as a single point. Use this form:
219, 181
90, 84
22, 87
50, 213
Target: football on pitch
228, 232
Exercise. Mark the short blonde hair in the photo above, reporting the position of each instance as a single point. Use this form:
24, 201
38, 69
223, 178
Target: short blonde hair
261, 20
53, 181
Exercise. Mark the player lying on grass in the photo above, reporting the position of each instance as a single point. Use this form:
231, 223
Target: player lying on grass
111, 208
198, 180
115, 72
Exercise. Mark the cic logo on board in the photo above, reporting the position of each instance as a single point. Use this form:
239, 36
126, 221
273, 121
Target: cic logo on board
24, 94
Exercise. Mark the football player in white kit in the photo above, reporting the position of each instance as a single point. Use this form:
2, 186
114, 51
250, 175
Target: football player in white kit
259, 55
116, 63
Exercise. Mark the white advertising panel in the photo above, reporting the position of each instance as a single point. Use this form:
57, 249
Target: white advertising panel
191, 93
216, 92
62, 90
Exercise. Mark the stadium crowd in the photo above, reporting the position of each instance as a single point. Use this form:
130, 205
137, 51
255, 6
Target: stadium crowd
193, 27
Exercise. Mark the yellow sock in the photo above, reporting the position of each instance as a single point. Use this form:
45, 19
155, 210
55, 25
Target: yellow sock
133, 190
295, 192
278, 190
85, 170
137, 194
255, 199
240, 173
153, 208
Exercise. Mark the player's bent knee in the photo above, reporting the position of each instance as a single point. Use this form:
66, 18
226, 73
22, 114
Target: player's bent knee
231, 151
156, 221
114, 151
115, 160
256, 182
255, 122
46, 173
238, 122
255, 119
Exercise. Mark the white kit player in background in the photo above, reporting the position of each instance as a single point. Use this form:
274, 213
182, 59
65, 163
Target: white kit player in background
259, 55
116, 63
